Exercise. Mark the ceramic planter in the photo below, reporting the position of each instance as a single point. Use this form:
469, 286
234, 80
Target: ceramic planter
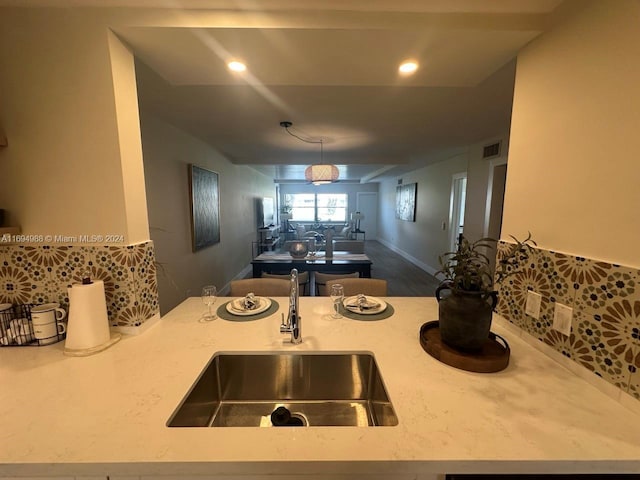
465, 317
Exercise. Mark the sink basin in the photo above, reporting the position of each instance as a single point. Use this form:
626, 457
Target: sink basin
320, 389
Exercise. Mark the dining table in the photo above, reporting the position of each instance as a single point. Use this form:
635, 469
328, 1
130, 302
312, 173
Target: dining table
339, 262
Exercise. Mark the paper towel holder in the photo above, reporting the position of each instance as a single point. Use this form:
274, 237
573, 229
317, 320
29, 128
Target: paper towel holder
88, 329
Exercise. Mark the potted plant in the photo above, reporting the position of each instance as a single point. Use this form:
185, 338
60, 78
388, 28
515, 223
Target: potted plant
465, 314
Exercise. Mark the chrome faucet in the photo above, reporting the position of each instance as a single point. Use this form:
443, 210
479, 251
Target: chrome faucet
292, 325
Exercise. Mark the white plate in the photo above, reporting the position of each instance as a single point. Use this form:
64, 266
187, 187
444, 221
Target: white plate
367, 311
236, 307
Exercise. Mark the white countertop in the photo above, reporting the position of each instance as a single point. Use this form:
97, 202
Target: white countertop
106, 414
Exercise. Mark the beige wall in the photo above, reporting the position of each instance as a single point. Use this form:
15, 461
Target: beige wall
574, 174
126, 101
167, 153
63, 170
423, 240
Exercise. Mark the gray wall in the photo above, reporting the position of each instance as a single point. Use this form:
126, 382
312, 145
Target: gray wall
423, 240
479, 171
167, 152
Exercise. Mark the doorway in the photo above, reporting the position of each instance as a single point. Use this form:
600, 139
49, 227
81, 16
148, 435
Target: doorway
495, 203
495, 198
367, 204
456, 208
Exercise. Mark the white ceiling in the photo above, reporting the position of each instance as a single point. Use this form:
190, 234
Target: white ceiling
330, 67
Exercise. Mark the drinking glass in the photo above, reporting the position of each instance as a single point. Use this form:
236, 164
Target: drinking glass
337, 294
209, 293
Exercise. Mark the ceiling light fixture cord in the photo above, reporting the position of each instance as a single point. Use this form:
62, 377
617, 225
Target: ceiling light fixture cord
320, 173
308, 141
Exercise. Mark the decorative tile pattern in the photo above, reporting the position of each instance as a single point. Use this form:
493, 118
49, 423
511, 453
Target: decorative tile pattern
149, 293
604, 360
581, 270
110, 265
563, 344
605, 332
538, 273
42, 274
620, 282
15, 286
561, 286
622, 322
634, 381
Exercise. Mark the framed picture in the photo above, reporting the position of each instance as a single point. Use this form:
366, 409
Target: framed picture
205, 207
406, 202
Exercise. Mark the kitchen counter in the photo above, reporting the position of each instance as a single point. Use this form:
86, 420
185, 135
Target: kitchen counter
106, 414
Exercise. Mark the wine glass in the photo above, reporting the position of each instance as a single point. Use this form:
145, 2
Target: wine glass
337, 294
209, 293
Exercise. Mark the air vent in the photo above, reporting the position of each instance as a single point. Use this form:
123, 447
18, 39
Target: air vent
492, 150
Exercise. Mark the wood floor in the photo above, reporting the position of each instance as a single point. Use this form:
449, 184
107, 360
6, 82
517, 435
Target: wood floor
403, 277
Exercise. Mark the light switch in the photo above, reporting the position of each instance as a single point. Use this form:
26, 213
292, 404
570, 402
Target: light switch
562, 319
532, 307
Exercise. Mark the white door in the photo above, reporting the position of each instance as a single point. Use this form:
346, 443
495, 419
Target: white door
367, 204
456, 209
495, 198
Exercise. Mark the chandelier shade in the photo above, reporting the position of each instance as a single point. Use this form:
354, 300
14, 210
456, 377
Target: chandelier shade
320, 174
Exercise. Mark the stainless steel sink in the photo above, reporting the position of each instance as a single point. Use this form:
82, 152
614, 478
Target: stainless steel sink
321, 389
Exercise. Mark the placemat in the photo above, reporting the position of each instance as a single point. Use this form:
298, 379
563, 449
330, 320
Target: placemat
225, 315
386, 313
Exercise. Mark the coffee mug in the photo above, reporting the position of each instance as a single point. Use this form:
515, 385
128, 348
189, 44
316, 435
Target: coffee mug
47, 324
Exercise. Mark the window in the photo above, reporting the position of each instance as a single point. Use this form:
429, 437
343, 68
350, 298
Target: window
317, 207
303, 207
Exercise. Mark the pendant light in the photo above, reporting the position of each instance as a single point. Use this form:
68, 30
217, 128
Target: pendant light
319, 173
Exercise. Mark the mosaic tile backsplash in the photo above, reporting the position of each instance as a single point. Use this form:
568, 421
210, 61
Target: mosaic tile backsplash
39, 274
605, 297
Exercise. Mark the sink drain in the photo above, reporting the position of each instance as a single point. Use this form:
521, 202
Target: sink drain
282, 417
301, 417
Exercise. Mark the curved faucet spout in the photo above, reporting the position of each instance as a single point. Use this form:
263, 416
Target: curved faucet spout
292, 324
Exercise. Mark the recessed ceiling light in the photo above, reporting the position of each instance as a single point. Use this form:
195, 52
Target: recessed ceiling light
407, 68
237, 66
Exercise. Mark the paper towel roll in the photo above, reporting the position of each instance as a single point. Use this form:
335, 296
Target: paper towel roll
88, 322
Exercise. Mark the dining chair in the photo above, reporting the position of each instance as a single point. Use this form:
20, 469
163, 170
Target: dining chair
322, 279
354, 286
351, 246
303, 279
260, 286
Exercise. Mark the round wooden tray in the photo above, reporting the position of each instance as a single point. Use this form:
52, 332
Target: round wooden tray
493, 357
